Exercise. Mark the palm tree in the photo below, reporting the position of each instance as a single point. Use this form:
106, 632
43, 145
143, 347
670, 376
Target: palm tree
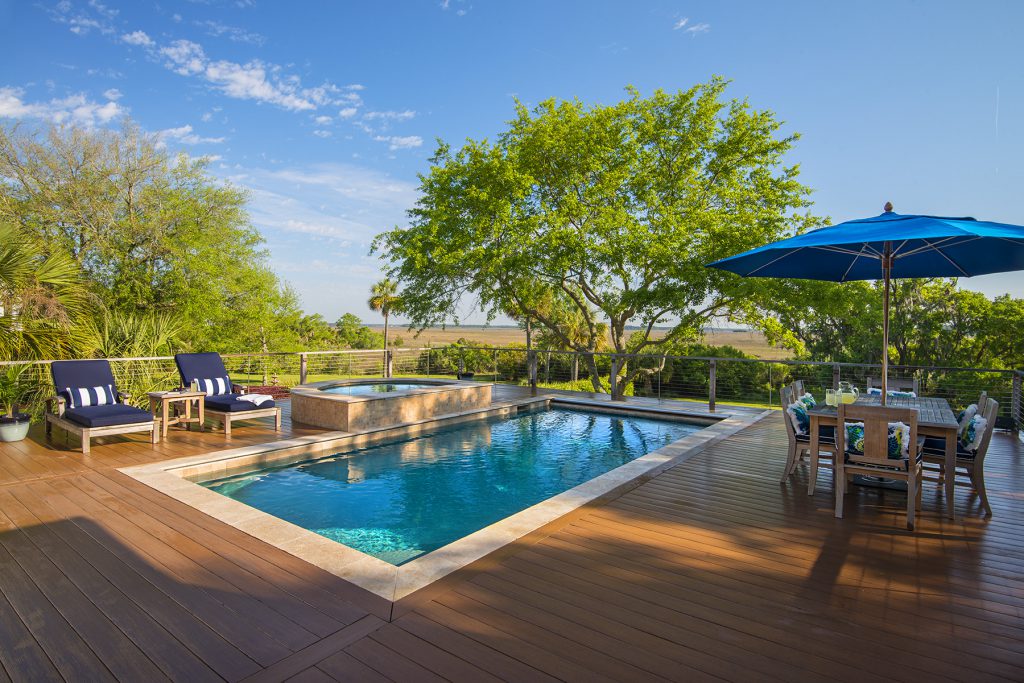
385, 299
42, 299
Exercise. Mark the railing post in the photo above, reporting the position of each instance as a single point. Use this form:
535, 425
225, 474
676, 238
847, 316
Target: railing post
495, 366
1015, 402
303, 368
428, 361
712, 384
835, 375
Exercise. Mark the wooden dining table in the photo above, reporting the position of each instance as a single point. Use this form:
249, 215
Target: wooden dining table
935, 418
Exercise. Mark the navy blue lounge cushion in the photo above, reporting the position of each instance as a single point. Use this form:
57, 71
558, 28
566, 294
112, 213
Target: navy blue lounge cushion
107, 416
81, 373
229, 403
192, 366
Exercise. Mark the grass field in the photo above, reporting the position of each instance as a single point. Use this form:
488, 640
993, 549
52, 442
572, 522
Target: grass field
747, 341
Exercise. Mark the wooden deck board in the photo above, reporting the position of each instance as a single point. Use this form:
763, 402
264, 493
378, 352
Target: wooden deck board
711, 570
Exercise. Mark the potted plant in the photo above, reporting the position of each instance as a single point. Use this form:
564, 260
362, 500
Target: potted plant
13, 425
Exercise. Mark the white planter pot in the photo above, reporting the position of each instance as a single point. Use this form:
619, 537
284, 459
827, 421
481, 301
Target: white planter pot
14, 430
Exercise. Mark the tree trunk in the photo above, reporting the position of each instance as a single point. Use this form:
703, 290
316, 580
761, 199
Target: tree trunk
575, 366
387, 354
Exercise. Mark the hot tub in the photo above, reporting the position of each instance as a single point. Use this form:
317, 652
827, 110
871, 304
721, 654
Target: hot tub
357, 405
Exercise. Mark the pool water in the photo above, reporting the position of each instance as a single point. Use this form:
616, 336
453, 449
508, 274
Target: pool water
401, 499
374, 388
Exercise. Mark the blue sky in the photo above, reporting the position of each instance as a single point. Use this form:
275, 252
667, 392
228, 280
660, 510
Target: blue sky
326, 111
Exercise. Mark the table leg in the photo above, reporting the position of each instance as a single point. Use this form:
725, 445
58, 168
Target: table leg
812, 472
950, 474
202, 418
188, 414
165, 409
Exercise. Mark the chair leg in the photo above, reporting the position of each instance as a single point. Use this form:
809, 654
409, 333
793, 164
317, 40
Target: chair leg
85, 442
156, 432
912, 484
49, 428
277, 421
978, 479
840, 476
227, 426
920, 488
812, 475
791, 456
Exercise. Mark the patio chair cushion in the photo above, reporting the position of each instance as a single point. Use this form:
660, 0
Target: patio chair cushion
936, 447
894, 393
826, 436
229, 403
899, 439
193, 366
797, 412
106, 416
965, 416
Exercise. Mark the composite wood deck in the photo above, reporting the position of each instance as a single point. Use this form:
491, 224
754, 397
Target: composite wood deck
710, 571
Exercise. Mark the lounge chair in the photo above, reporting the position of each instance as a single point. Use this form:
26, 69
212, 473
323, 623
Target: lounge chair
88, 403
222, 395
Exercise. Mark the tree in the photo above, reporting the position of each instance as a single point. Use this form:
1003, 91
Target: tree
354, 335
385, 299
617, 208
43, 308
150, 231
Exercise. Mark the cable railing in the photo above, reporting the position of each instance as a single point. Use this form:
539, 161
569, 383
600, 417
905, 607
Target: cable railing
711, 381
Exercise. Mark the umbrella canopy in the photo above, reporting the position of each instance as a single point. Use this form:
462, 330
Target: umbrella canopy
887, 246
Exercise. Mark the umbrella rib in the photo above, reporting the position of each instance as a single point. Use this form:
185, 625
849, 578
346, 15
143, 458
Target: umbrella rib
773, 261
955, 264
852, 264
944, 242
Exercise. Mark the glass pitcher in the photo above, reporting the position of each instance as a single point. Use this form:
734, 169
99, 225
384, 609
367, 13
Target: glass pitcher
848, 392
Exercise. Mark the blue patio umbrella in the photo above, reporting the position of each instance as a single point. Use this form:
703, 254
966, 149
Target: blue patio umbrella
887, 246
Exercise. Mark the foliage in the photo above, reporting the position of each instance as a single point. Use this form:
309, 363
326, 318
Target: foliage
13, 391
353, 334
42, 305
149, 231
385, 299
133, 334
613, 209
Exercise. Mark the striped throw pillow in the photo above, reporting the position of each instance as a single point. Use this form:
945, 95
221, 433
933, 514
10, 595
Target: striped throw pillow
214, 386
81, 397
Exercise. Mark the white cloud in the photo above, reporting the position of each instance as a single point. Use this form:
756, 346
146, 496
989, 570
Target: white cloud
254, 80
322, 133
176, 18
400, 142
232, 33
112, 94
389, 115
698, 28
348, 112
95, 16
681, 23
75, 109
186, 136
323, 120
140, 38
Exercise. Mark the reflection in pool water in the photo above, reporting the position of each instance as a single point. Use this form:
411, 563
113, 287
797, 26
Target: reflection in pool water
402, 499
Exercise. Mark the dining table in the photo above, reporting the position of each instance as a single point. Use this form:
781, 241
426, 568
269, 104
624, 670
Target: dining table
935, 419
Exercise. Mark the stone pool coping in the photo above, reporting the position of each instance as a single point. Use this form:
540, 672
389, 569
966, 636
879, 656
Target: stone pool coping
175, 478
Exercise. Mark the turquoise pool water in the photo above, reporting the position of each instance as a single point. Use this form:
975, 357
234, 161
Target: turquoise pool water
375, 388
401, 499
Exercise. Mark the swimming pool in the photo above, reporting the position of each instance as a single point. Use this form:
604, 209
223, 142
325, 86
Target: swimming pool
368, 388
403, 498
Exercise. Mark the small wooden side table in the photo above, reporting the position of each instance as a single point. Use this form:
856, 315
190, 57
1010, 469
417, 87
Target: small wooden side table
161, 401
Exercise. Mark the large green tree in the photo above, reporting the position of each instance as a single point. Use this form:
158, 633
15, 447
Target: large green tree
617, 208
151, 231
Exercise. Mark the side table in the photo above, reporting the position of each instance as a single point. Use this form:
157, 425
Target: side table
160, 405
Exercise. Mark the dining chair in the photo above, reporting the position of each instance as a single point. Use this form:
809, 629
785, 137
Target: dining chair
800, 443
873, 458
970, 462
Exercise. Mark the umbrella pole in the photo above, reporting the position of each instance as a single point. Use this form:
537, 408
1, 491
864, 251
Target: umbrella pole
886, 275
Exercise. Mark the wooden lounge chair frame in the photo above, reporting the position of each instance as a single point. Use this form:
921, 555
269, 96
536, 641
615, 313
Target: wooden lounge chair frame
226, 417
55, 407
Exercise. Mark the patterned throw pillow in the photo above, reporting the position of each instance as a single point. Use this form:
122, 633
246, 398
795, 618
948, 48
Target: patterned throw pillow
797, 412
81, 397
215, 386
965, 417
973, 432
899, 439
876, 391
808, 400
